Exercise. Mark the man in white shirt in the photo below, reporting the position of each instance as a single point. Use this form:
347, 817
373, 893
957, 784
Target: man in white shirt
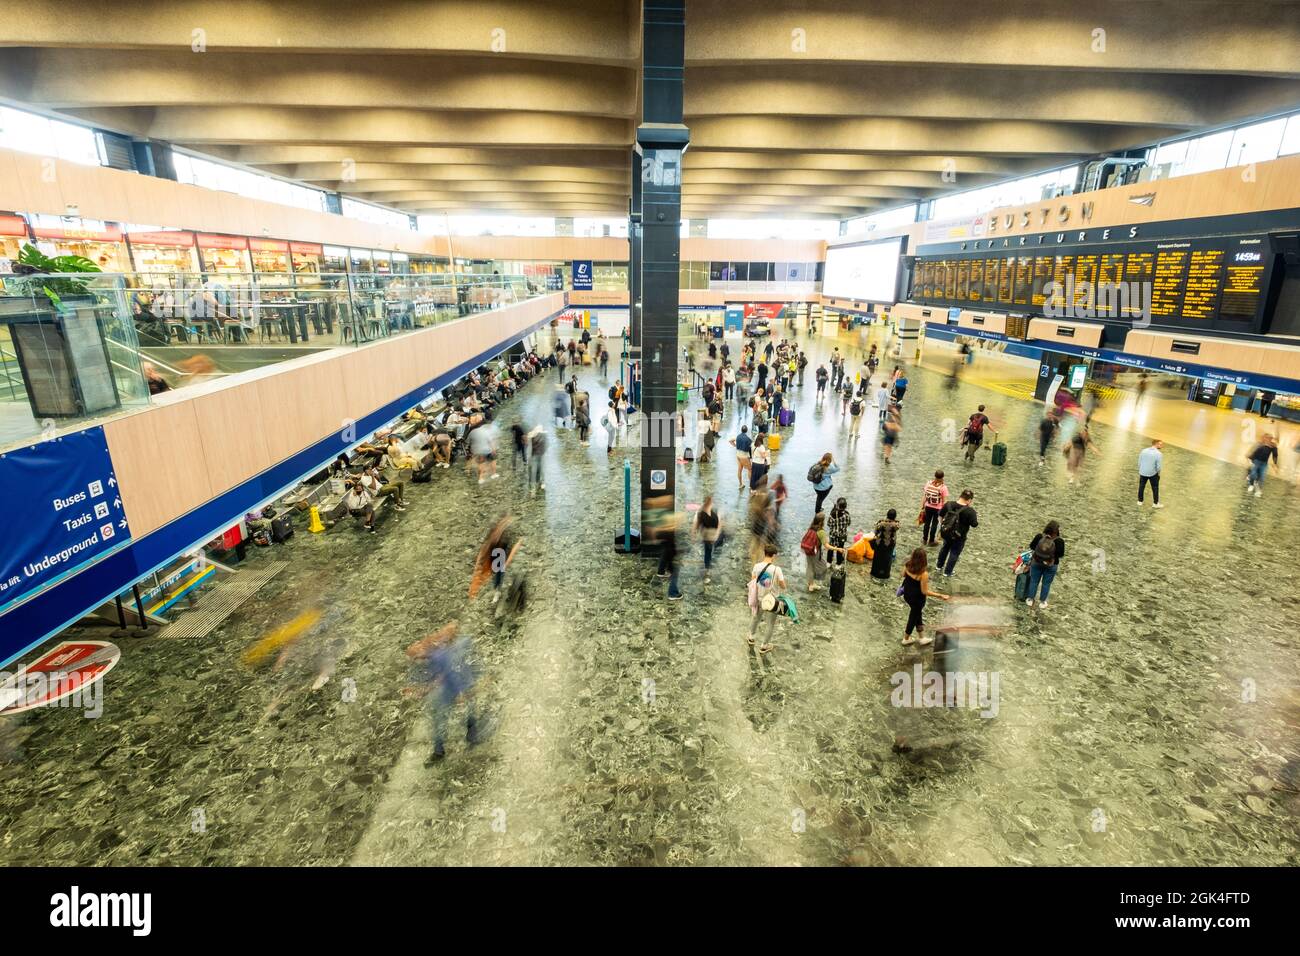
1150, 461
360, 504
373, 482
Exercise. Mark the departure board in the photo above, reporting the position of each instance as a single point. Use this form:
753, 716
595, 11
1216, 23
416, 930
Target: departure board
1201, 282
1139, 268
1006, 279
990, 280
1110, 273
1203, 285
1024, 284
1063, 279
1044, 269
1085, 280
1167, 283
1243, 286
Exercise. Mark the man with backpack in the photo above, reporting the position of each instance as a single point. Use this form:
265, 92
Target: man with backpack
855, 415
973, 436
823, 377
802, 364
955, 521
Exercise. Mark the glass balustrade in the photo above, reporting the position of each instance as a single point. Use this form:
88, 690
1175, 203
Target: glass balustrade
75, 348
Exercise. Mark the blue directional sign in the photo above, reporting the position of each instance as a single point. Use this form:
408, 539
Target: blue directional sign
75, 519
582, 275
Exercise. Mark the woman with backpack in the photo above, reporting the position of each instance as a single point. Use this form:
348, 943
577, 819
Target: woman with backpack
914, 590
813, 545
933, 497
1047, 550
882, 559
820, 476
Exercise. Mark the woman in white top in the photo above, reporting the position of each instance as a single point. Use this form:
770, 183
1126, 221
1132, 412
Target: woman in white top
766, 580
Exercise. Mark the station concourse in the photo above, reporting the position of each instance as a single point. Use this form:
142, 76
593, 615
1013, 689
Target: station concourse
413, 437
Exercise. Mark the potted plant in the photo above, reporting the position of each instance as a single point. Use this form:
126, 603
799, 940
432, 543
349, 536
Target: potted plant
33, 262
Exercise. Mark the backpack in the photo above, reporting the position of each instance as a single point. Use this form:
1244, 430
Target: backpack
949, 524
816, 472
539, 443
855, 407
808, 544
932, 497
976, 426
1045, 552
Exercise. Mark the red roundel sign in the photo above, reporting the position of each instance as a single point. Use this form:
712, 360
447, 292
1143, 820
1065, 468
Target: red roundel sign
66, 670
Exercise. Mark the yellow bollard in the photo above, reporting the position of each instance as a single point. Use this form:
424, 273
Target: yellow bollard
315, 527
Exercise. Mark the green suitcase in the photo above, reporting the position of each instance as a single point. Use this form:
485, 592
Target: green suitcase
999, 452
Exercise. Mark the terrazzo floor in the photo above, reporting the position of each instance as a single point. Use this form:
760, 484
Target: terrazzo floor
1150, 716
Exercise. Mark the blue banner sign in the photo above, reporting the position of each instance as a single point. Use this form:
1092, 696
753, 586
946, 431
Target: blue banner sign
582, 275
74, 518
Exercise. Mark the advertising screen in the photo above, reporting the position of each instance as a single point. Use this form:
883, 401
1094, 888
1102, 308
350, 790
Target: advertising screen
868, 271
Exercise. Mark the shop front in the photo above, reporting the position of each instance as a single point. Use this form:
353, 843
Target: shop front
270, 257
164, 251
100, 242
307, 258
223, 255
13, 234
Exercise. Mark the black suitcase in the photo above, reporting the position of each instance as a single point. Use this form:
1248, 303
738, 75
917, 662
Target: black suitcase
281, 528
837, 585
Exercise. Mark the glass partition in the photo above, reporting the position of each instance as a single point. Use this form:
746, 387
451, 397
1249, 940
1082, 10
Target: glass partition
105, 341
68, 354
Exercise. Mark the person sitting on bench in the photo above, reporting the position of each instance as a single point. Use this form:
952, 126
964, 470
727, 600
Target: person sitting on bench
373, 482
360, 503
398, 456
442, 450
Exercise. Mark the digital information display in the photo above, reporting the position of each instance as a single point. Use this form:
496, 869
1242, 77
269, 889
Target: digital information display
1198, 283
867, 271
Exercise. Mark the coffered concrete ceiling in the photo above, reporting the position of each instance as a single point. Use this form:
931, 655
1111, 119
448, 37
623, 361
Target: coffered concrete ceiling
817, 108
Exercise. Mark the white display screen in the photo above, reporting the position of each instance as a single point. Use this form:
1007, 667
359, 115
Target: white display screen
868, 271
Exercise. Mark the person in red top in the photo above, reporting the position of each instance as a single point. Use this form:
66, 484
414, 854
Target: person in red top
933, 497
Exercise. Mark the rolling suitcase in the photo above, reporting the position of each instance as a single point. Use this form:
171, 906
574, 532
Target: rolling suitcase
999, 451
774, 442
837, 585
786, 417
1022, 586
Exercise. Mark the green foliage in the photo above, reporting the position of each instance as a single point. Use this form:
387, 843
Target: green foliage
32, 261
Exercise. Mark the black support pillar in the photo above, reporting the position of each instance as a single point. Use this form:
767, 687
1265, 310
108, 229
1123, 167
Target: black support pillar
661, 139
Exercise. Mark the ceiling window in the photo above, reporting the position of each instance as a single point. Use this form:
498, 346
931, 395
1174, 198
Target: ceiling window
354, 209
30, 133
773, 228
244, 182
